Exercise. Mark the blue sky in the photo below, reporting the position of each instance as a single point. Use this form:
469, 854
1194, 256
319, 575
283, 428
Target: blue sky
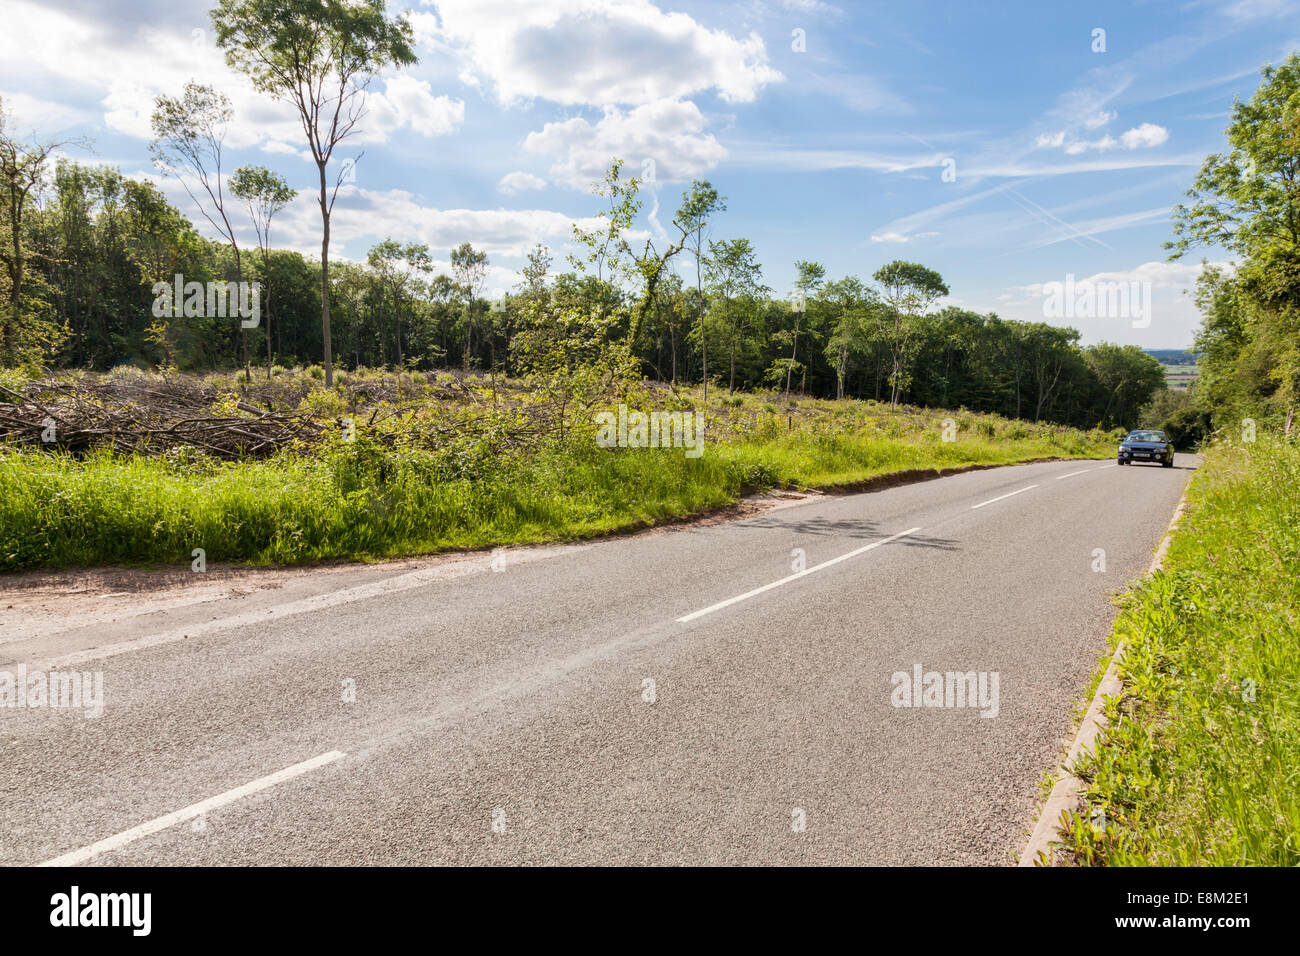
828, 126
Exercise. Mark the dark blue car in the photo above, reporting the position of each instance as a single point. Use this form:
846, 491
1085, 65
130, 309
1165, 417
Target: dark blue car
1146, 445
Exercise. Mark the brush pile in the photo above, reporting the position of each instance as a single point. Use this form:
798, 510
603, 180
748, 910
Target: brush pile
148, 416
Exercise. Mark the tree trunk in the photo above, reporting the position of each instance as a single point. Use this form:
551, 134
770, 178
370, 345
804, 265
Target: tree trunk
325, 278
789, 369
266, 277
699, 292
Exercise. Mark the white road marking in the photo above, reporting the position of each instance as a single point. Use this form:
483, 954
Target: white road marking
1073, 473
87, 853
786, 580
1000, 497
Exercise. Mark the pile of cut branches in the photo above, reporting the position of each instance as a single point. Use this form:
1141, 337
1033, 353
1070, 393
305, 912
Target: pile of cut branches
146, 416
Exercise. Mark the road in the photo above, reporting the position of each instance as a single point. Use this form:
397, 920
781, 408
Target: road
680, 697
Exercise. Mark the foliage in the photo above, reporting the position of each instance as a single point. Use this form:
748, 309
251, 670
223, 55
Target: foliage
1197, 766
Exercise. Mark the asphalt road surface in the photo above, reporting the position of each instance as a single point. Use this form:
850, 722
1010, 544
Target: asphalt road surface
684, 697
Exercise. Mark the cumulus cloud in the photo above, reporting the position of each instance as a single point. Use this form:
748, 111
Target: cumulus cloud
598, 52
666, 137
91, 50
1148, 134
409, 102
365, 215
1171, 312
1139, 137
519, 181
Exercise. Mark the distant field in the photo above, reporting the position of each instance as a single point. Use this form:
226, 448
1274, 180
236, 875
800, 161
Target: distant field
1180, 376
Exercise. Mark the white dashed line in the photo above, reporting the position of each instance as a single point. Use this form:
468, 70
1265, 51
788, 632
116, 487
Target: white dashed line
1000, 497
786, 580
1073, 473
86, 853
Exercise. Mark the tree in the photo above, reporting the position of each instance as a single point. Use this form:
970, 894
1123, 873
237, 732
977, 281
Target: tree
698, 207
853, 305
22, 171
810, 278
910, 289
735, 280
1248, 201
469, 269
1128, 378
395, 265
319, 55
264, 193
188, 135
607, 246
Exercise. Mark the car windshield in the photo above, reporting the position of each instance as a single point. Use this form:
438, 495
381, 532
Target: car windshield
1145, 436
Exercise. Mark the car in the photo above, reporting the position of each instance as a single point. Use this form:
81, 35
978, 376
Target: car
1146, 445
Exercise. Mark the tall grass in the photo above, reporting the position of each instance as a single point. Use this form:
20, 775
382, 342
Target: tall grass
1201, 764
363, 500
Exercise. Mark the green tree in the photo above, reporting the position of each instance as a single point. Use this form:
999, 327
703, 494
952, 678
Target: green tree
1247, 200
318, 55
736, 283
811, 275
264, 193
23, 167
469, 269
910, 289
189, 133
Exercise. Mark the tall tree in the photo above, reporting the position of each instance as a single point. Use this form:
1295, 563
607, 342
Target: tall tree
850, 302
699, 205
910, 289
189, 134
319, 55
736, 282
811, 275
469, 269
1248, 201
396, 266
23, 167
264, 193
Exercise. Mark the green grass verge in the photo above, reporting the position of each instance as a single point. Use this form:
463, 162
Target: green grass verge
1201, 762
359, 500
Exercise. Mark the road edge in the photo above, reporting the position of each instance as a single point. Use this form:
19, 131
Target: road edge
1041, 848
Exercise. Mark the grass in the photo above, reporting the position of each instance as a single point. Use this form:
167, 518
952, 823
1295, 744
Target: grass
368, 500
1201, 763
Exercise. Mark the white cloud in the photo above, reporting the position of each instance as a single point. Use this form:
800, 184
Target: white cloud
900, 237
1146, 135
519, 181
667, 133
1172, 314
125, 69
1139, 137
30, 113
362, 216
600, 52
409, 102
1098, 120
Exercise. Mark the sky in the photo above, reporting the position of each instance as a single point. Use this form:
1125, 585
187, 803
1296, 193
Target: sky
1008, 146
